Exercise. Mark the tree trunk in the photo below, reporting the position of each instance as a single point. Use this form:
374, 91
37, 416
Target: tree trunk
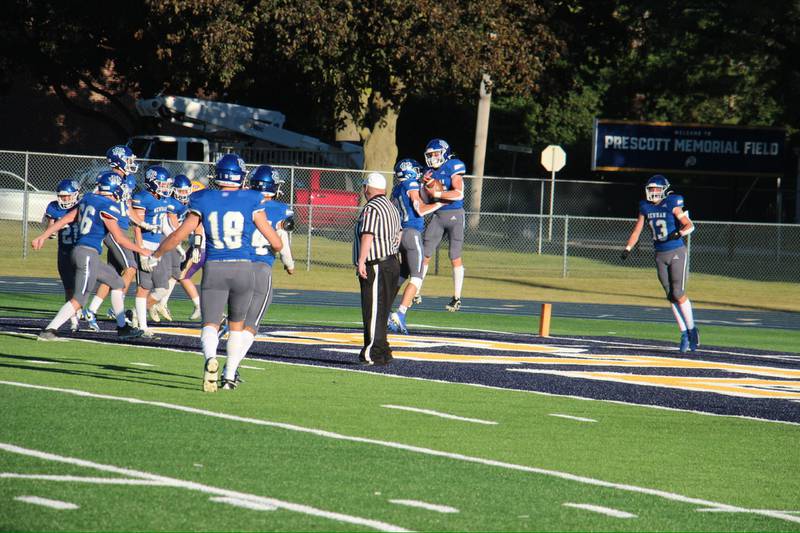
380, 137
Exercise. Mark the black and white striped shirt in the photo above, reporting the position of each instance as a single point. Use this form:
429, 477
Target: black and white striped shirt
380, 218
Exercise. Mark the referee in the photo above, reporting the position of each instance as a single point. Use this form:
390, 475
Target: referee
377, 239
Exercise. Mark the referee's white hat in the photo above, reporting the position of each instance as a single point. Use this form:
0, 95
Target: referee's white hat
375, 180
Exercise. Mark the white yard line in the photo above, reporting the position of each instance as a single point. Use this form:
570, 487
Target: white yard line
570, 417
141, 364
39, 362
426, 506
46, 502
248, 367
206, 489
441, 415
671, 496
608, 511
244, 504
717, 510
85, 479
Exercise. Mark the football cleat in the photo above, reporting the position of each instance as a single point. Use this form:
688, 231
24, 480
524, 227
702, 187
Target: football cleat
210, 375
454, 305
391, 326
73, 326
153, 312
129, 317
111, 314
417, 299
398, 320
164, 310
228, 384
48, 335
236, 377
128, 332
91, 319
684, 342
223, 327
148, 333
694, 339
196, 314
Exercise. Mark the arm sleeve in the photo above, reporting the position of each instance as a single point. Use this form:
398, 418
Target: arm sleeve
286, 251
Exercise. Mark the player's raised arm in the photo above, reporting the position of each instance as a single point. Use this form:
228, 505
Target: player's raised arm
634, 238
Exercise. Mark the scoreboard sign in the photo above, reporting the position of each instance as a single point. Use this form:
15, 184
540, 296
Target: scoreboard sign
695, 148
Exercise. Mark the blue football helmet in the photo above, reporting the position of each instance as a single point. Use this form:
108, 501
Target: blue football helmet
108, 184
657, 188
181, 188
158, 181
230, 171
267, 180
437, 152
407, 169
123, 158
67, 192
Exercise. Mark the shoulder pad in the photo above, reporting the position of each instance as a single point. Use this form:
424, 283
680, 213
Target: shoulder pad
675, 200
457, 166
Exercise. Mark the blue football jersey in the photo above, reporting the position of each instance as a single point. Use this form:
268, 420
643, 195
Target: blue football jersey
445, 174
155, 212
227, 218
91, 228
662, 221
124, 220
68, 235
409, 218
180, 209
276, 212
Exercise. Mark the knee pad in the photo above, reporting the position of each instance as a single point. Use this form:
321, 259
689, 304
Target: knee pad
415, 281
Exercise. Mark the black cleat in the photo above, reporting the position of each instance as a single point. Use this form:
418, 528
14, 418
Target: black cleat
454, 305
49, 335
228, 384
129, 332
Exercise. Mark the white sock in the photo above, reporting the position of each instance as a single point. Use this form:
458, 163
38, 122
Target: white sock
678, 317
118, 306
210, 341
458, 280
165, 299
141, 312
424, 274
402, 309
688, 315
247, 341
73, 320
62, 316
196, 301
235, 354
95, 305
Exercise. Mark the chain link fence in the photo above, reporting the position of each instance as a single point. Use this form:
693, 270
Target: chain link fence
513, 233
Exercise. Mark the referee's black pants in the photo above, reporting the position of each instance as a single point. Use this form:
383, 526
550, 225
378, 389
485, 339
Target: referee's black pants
377, 294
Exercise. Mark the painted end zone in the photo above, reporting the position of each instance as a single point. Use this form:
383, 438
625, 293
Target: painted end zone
717, 381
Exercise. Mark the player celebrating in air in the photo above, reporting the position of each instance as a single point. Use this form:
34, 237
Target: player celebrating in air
154, 206
182, 188
96, 215
229, 217
67, 192
663, 212
265, 180
449, 172
406, 198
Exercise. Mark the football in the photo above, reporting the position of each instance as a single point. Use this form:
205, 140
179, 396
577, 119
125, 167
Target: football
433, 185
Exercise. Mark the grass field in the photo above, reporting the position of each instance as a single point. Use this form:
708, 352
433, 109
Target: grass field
136, 446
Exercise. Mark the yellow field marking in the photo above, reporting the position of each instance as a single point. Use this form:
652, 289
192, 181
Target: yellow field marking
741, 387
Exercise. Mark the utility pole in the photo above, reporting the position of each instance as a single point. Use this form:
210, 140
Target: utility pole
479, 153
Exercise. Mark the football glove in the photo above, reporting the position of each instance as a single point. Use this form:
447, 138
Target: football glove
148, 263
675, 235
625, 253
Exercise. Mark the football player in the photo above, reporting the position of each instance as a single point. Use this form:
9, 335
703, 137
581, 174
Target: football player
154, 206
96, 215
406, 198
122, 162
67, 193
229, 217
663, 212
182, 188
267, 181
443, 167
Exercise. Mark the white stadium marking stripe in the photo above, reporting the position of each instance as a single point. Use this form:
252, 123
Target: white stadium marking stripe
616, 513
248, 367
46, 502
39, 362
425, 505
85, 479
244, 504
342, 350
570, 417
718, 510
141, 364
671, 496
199, 487
441, 415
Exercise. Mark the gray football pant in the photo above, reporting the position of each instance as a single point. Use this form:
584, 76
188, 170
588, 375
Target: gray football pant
450, 222
89, 270
118, 257
262, 294
411, 251
672, 272
226, 284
